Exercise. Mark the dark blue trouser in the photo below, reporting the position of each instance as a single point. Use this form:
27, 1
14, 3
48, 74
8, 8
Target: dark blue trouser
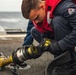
60, 26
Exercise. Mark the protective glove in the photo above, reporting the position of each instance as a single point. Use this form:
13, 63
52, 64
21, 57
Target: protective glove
44, 45
50, 46
55, 49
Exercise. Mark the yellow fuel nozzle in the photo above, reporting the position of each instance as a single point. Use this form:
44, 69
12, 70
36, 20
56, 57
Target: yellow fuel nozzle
5, 61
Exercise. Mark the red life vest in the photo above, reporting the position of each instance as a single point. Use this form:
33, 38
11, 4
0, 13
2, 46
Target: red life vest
74, 1
44, 26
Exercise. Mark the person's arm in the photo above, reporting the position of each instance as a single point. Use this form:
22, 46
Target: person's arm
69, 40
28, 39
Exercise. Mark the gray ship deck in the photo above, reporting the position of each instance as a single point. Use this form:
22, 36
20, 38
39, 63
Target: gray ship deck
8, 44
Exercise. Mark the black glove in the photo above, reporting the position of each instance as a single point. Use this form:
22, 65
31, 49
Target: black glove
55, 49
44, 45
50, 46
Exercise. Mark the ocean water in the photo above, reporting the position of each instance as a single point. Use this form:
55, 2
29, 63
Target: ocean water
13, 20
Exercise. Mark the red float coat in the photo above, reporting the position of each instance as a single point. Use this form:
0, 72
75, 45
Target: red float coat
44, 27
74, 1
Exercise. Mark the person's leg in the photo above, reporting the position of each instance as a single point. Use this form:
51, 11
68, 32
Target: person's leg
61, 27
36, 34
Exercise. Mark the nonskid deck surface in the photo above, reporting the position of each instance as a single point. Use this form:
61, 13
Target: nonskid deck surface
8, 44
